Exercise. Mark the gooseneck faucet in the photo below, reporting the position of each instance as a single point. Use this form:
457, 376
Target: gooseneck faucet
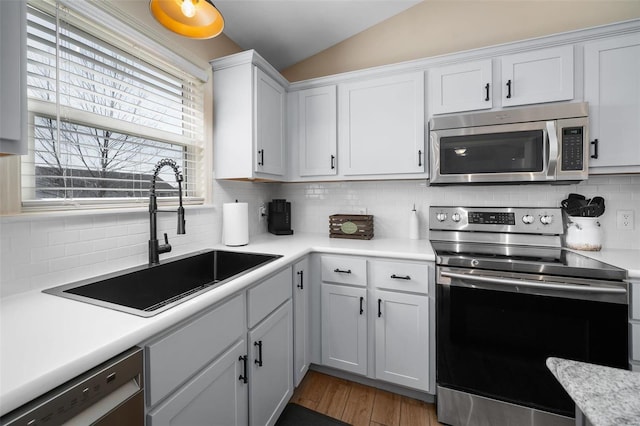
155, 248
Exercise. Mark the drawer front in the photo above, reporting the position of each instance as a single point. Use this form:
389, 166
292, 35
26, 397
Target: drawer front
402, 276
268, 295
176, 357
344, 270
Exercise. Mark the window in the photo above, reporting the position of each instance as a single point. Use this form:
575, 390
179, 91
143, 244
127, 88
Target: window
102, 114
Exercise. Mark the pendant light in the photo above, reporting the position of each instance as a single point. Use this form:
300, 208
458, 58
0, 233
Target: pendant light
190, 18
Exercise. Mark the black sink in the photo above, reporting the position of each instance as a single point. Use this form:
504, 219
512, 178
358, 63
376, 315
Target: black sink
148, 290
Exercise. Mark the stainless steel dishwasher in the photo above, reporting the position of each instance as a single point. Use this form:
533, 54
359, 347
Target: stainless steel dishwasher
109, 394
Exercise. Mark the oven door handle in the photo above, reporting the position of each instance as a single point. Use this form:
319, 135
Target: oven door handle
549, 286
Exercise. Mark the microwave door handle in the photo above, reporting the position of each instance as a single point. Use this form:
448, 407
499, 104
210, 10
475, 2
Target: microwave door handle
552, 149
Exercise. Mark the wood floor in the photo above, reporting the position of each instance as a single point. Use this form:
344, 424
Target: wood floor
361, 405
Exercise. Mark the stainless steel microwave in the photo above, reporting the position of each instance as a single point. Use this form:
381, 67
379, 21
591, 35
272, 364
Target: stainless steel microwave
548, 143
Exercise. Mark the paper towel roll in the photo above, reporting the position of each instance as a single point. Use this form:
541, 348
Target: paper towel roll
235, 224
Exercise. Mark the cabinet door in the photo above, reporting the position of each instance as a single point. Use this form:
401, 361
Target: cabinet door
301, 321
215, 396
271, 367
381, 126
540, 76
402, 339
317, 131
344, 327
460, 87
612, 88
13, 72
269, 128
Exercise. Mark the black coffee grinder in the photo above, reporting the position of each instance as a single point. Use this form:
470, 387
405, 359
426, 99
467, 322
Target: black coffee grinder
279, 217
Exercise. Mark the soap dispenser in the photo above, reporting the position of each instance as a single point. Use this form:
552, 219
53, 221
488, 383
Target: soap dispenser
414, 225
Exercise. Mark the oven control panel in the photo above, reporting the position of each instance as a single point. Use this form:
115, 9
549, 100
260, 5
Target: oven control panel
525, 220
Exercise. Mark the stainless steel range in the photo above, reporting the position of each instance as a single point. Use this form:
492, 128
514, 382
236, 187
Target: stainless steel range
507, 298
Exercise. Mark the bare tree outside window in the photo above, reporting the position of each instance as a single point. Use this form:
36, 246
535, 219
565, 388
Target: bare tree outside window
87, 154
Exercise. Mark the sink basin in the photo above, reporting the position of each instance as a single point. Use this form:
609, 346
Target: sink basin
149, 290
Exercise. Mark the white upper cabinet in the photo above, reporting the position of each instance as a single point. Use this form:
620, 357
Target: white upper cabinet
269, 129
249, 99
381, 126
612, 88
538, 76
460, 87
13, 75
317, 131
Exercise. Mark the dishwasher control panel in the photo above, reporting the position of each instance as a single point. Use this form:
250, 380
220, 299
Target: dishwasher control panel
122, 374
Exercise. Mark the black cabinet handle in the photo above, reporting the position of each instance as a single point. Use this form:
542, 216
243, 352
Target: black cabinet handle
300, 281
259, 360
261, 160
508, 89
243, 376
379, 308
419, 158
595, 144
333, 162
486, 88
400, 277
361, 308
342, 271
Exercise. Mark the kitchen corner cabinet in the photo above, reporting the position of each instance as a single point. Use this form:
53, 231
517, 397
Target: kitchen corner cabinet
13, 77
612, 89
301, 320
249, 118
381, 126
460, 87
538, 76
317, 131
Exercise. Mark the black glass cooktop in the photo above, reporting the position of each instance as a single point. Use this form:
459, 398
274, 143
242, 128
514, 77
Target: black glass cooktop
518, 258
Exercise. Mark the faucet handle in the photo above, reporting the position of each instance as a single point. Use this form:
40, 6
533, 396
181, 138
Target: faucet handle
166, 239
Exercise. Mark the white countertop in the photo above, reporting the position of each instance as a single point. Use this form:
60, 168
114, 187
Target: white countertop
46, 340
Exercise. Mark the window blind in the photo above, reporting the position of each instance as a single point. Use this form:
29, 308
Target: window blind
102, 114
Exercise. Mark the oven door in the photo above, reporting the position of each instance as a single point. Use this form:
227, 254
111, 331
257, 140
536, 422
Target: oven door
496, 330
523, 152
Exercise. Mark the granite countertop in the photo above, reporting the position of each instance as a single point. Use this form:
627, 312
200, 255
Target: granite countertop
606, 395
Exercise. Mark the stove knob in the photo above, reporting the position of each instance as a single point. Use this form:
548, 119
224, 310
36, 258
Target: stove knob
527, 219
441, 217
546, 220
456, 217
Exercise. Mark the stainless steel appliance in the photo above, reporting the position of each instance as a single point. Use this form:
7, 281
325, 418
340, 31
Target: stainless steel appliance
508, 296
108, 395
547, 143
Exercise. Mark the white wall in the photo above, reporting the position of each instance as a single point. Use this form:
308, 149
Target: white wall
391, 201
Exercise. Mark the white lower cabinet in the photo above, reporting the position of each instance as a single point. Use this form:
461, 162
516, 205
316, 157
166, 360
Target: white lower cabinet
394, 329
232, 365
402, 339
215, 396
301, 320
344, 327
271, 366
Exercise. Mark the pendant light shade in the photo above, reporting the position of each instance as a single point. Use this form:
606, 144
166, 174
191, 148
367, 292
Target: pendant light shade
190, 18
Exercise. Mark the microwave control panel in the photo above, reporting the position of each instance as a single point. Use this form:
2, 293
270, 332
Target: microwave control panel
572, 148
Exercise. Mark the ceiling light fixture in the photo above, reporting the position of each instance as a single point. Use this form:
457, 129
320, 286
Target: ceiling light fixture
198, 19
